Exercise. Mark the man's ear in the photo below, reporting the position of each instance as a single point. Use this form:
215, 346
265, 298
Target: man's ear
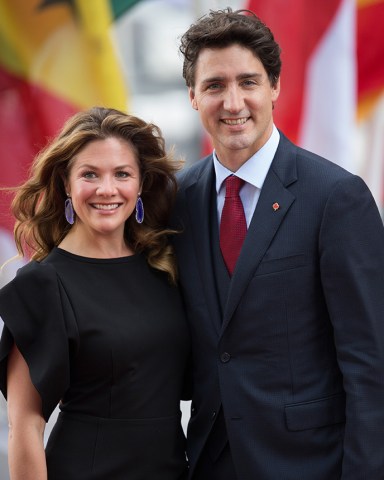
276, 91
192, 99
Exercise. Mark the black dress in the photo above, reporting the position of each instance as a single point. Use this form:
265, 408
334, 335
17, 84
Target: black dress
107, 338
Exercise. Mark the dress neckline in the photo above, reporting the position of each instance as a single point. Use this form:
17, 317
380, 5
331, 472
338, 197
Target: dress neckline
80, 258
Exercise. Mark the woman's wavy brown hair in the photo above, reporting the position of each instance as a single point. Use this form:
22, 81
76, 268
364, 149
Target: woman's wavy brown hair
38, 204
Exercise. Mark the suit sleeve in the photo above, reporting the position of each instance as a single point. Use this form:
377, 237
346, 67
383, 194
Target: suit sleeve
352, 270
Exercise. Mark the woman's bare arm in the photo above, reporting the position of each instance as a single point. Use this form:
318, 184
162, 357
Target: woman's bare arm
26, 423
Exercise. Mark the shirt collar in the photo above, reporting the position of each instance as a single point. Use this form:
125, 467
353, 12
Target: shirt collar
255, 169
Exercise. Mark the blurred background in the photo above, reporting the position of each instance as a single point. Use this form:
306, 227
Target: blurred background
61, 56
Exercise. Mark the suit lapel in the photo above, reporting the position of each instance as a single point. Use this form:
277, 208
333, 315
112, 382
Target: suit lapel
274, 203
199, 196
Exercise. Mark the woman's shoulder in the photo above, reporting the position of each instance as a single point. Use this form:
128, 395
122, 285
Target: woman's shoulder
33, 282
35, 271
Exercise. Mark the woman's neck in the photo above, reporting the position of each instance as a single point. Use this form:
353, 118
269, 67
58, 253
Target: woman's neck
102, 246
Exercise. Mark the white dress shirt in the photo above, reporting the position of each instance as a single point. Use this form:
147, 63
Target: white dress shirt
253, 172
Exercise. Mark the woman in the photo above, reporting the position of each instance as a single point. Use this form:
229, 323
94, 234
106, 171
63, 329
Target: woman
95, 322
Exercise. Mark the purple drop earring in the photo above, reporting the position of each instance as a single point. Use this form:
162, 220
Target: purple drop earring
69, 212
139, 210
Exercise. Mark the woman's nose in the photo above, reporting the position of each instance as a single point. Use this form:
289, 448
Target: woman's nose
106, 186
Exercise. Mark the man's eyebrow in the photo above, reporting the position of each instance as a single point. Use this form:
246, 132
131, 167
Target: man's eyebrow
241, 76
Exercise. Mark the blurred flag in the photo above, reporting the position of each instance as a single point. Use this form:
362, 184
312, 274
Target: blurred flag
332, 82
56, 57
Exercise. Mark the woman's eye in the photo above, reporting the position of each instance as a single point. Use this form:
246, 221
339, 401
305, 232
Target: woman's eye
89, 174
122, 174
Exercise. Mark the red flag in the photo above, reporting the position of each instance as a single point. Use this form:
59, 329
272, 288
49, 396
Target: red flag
298, 27
332, 81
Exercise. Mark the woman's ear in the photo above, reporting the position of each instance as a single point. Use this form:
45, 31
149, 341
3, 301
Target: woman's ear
66, 186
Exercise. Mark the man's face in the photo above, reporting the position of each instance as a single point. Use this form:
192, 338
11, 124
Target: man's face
235, 99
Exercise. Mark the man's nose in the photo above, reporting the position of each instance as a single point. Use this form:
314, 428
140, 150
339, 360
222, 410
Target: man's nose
234, 100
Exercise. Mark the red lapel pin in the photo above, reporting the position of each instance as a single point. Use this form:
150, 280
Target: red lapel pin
275, 206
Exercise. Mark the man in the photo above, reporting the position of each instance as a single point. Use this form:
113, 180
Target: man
288, 338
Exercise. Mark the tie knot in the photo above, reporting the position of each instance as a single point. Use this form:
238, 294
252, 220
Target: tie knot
232, 186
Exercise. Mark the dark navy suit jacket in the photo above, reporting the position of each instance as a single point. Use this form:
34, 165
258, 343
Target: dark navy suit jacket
295, 351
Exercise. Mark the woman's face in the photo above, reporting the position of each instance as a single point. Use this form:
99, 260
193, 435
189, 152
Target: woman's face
104, 183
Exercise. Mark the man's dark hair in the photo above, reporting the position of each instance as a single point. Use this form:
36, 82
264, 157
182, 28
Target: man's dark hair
223, 28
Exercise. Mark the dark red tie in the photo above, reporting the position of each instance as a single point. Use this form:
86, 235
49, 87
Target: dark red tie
233, 226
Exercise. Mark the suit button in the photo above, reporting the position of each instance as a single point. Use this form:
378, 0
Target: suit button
225, 357
213, 415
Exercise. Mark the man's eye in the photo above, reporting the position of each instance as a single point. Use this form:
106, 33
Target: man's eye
214, 86
249, 83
